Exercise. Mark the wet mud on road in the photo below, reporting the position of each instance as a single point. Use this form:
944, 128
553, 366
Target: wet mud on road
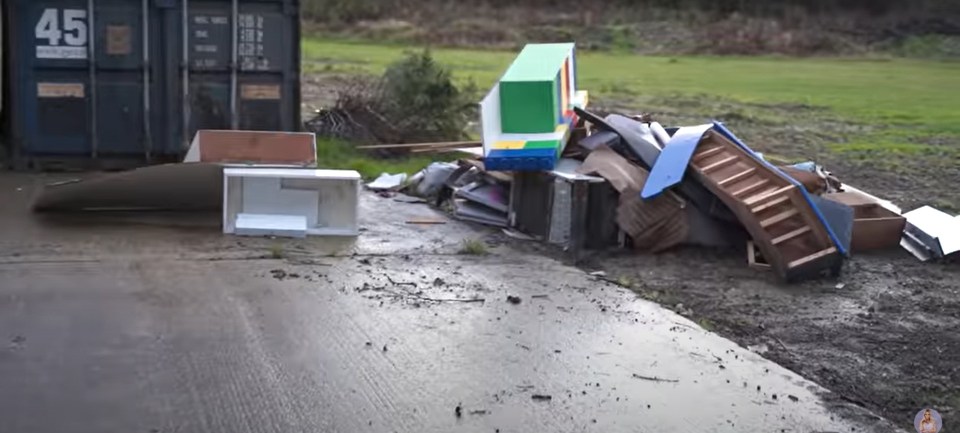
883, 335
122, 325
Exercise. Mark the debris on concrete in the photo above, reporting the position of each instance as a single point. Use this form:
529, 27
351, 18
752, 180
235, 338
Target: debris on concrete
654, 378
387, 182
513, 299
277, 201
470, 211
429, 180
427, 221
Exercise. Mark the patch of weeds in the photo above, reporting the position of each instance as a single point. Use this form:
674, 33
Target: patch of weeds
625, 281
651, 295
707, 324
473, 247
277, 251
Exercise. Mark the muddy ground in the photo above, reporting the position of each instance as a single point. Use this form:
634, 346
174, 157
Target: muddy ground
882, 336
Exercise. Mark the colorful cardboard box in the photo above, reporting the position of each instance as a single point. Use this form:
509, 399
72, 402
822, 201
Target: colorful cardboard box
528, 115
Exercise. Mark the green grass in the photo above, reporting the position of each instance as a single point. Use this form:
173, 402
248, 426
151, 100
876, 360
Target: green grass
473, 247
893, 117
340, 155
916, 93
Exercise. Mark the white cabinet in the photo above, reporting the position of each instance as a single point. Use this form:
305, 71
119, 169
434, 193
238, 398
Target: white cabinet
277, 202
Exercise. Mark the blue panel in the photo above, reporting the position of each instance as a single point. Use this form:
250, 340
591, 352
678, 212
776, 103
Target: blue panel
803, 191
521, 160
673, 161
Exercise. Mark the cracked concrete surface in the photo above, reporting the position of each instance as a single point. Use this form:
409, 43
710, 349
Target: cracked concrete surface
161, 324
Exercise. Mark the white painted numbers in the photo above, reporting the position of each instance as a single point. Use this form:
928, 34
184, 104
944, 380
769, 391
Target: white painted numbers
62, 34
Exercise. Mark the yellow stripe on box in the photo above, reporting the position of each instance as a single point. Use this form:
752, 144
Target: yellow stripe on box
509, 144
562, 128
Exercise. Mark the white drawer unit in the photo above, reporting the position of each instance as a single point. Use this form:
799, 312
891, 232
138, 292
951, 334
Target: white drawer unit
277, 202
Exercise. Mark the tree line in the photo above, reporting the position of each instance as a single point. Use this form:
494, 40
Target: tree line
352, 10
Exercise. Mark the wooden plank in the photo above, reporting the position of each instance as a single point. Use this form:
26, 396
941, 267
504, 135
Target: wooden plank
769, 205
438, 145
738, 177
794, 234
707, 153
780, 217
751, 188
766, 196
473, 152
817, 255
720, 164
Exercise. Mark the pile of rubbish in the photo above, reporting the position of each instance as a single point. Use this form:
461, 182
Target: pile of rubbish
557, 172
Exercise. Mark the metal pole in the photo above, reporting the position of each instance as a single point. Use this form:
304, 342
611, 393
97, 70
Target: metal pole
185, 81
92, 72
148, 137
234, 121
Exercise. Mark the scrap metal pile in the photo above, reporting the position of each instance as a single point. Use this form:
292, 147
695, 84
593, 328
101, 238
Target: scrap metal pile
558, 172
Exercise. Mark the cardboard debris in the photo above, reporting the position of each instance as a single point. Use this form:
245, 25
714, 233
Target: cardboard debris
388, 182
621, 174
167, 187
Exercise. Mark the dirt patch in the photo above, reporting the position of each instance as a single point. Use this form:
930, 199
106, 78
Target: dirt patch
882, 336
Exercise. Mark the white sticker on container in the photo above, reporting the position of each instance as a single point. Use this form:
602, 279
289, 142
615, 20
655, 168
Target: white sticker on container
60, 90
61, 34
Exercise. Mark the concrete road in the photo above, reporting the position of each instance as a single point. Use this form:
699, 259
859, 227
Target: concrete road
126, 324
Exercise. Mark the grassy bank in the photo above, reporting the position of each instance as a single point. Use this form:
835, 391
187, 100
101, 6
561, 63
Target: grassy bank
895, 115
899, 91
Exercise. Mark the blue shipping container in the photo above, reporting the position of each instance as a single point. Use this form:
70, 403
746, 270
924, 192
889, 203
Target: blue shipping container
135, 79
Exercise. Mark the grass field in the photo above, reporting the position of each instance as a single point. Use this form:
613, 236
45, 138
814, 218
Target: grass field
855, 113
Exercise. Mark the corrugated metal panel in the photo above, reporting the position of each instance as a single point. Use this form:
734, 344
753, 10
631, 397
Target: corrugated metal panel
137, 78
